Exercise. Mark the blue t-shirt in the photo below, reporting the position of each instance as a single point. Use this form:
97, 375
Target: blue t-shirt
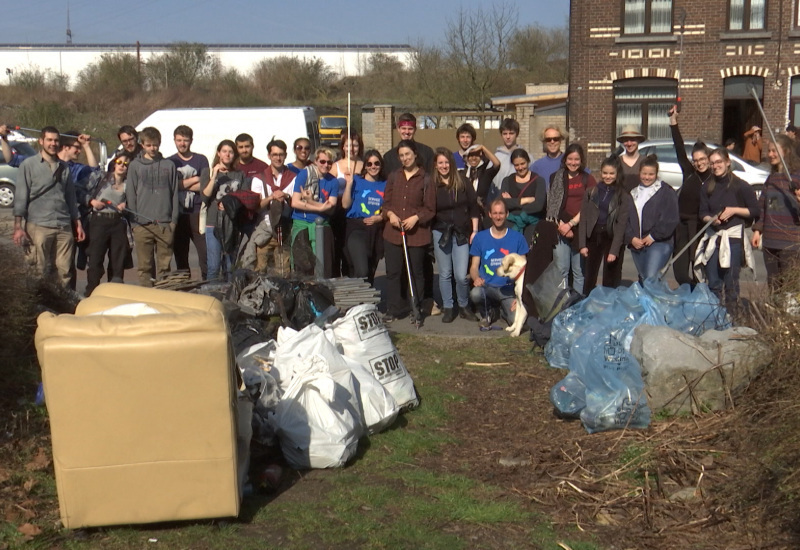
546, 167
460, 164
367, 198
491, 251
328, 187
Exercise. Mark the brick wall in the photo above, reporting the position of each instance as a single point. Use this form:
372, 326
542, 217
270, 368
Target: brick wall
601, 54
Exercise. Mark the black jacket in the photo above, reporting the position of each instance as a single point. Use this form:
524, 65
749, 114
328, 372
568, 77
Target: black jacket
659, 217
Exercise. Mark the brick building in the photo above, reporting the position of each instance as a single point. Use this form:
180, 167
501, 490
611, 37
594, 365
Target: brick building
626, 68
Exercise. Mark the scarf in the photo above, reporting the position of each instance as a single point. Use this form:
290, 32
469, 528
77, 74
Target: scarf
555, 197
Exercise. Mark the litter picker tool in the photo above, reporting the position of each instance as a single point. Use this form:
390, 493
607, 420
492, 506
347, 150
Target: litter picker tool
678, 99
98, 140
771, 133
414, 307
110, 204
685, 248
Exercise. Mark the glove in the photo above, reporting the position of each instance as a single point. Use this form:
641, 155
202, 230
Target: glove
187, 171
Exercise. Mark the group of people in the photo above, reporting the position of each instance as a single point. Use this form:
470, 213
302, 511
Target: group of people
466, 209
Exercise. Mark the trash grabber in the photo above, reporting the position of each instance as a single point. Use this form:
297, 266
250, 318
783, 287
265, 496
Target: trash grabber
98, 140
110, 204
685, 248
678, 99
414, 307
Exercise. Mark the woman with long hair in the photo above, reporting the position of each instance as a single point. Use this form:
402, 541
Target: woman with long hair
108, 230
363, 201
409, 206
568, 185
730, 202
454, 227
652, 220
601, 234
525, 195
777, 230
480, 168
350, 150
216, 182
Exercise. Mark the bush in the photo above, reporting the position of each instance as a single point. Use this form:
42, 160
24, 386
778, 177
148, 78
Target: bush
35, 79
285, 77
116, 74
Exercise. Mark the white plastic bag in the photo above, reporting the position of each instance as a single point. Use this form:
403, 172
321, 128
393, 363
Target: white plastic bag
364, 338
318, 420
377, 404
294, 347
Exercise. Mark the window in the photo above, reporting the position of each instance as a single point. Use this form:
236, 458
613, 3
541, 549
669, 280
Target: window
747, 15
794, 102
645, 102
648, 17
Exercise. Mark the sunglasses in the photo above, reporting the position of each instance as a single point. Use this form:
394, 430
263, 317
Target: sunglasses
323, 162
552, 139
302, 148
377, 164
122, 162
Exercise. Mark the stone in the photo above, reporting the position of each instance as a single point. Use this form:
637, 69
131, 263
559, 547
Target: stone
684, 373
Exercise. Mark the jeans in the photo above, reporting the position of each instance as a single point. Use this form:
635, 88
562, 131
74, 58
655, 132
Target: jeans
453, 263
188, 231
724, 282
599, 245
108, 235
566, 258
651, 259
216, 259
485, 297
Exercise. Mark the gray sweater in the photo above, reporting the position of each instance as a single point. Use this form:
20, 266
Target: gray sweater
152, 190
41, 203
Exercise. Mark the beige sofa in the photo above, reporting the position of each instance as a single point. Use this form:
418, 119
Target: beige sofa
142, 409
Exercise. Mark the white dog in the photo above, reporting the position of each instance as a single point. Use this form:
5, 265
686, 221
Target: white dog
513, 266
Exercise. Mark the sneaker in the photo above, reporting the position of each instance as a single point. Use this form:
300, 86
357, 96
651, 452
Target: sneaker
449, 315
466, 313
389, 317
435, 310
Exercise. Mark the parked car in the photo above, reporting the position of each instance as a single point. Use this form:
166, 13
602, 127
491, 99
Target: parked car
670, 171
8, 174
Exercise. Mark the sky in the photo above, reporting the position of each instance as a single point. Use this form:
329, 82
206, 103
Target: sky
251, 21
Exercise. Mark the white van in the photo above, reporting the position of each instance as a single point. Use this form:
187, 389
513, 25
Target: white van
212, 125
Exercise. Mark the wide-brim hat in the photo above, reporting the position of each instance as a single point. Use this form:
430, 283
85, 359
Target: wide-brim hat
630, 131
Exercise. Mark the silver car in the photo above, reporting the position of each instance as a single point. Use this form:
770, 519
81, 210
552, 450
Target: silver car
670, 171
8, 174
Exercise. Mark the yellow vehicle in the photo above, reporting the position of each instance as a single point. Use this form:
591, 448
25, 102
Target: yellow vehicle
330, 129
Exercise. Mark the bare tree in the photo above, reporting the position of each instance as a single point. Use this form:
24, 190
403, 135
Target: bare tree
478, 45
184, 65
543, 52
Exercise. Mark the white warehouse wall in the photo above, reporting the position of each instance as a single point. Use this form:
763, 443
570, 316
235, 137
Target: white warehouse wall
344, 60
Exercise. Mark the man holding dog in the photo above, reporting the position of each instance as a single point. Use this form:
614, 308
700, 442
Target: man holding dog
488, 249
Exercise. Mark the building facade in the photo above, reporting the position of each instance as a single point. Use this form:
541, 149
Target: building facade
631, 59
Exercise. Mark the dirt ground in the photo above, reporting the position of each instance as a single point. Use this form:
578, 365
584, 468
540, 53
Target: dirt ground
666, 487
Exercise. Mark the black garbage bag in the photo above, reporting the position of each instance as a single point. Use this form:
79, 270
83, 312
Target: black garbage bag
311, 301
303, 254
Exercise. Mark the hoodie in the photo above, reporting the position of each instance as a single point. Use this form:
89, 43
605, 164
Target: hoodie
152, 190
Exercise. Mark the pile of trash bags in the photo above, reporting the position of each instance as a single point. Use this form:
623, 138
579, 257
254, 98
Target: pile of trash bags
604, 387
316, 391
